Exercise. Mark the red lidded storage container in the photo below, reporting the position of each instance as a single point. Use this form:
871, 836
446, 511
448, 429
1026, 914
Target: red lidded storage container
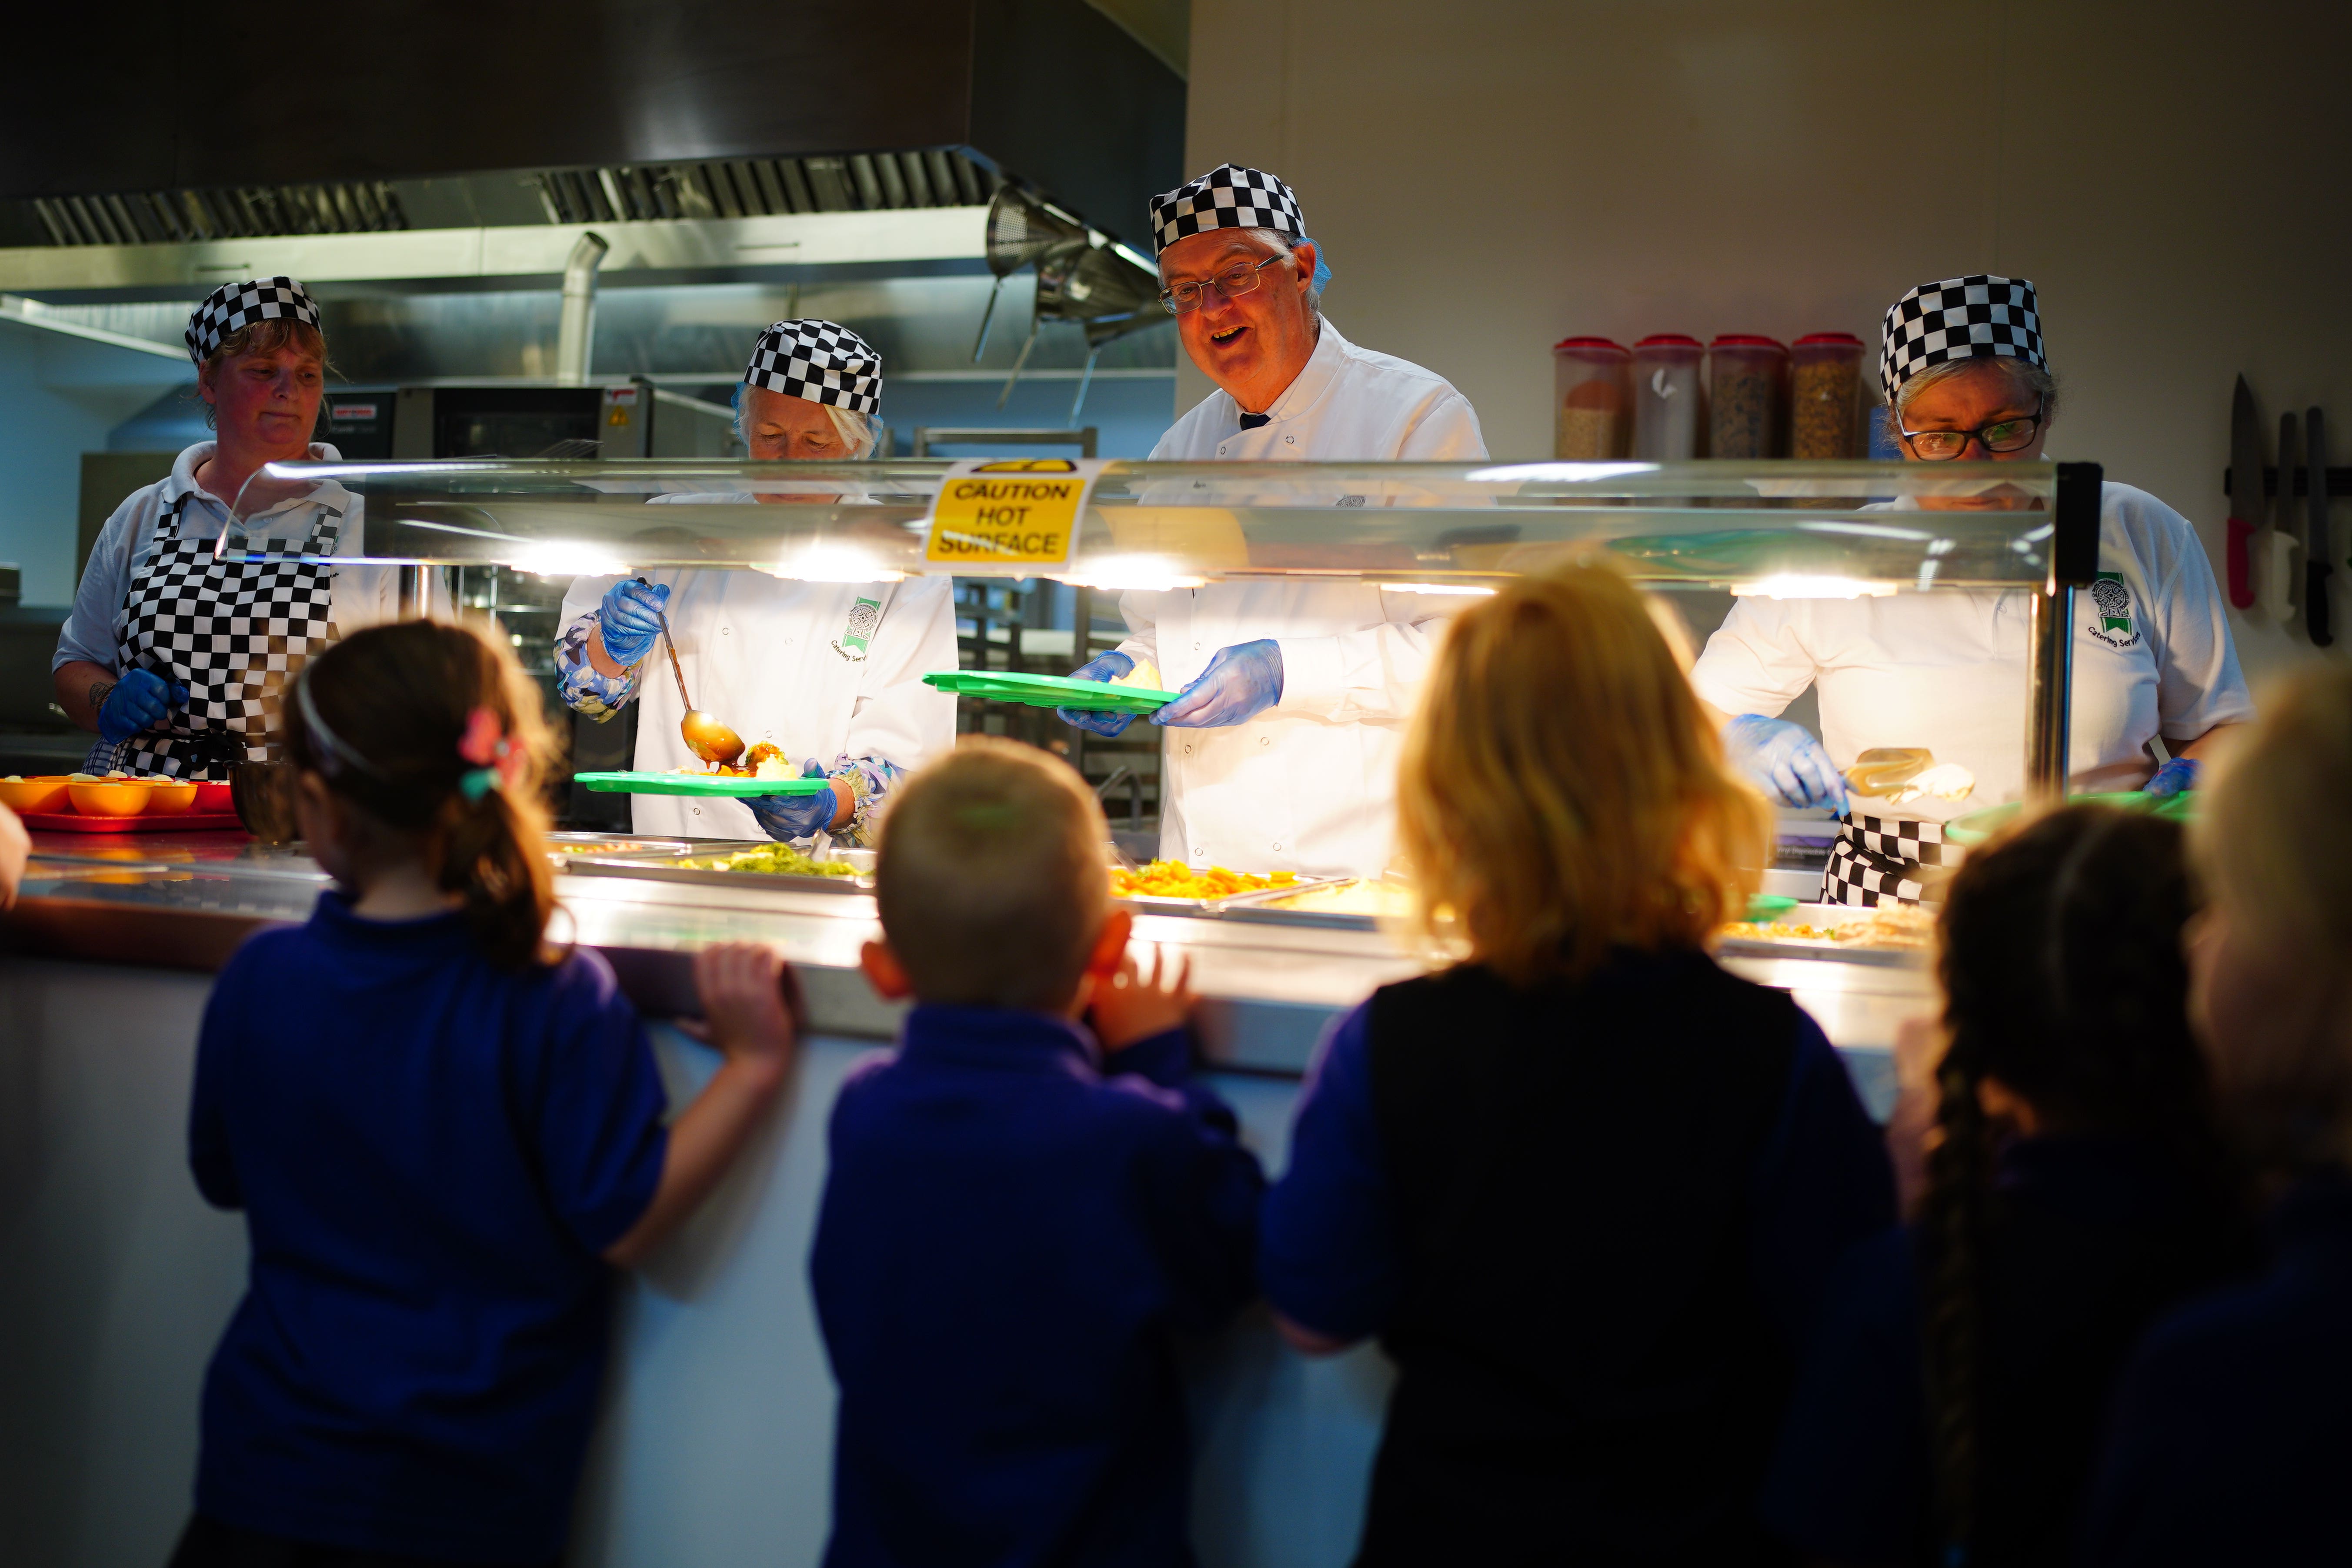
1669, 403
1592, 400
1745, 376
1825, 381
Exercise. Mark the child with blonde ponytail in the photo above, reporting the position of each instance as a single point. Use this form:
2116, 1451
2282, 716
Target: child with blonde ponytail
1584, 1184
444, 1134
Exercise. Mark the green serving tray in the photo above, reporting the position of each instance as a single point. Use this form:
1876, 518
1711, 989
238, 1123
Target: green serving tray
1050, 690
1979, 825
689, 784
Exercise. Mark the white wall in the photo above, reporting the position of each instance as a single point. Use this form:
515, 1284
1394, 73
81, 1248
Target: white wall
1493, 175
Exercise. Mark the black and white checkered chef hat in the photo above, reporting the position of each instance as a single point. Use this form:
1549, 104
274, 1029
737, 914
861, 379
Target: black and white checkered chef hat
1227, 197
233, 306
821, 361
1975, 317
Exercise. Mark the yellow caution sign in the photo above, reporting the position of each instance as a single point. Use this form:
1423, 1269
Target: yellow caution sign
1012, 517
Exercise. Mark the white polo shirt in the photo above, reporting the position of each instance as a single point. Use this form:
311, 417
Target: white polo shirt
2152, 656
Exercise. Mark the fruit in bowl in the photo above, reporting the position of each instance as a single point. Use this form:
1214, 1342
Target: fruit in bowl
171, 797
44, 793
111, 797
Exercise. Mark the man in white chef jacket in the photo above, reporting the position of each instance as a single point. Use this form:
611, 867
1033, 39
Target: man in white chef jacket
830, 673
1281, 754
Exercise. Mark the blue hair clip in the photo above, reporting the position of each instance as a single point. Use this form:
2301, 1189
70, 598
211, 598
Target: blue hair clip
478, 784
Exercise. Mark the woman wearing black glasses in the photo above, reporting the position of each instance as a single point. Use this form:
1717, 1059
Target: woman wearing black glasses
1966, 379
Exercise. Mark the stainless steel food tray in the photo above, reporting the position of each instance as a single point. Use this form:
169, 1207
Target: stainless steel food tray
659, 868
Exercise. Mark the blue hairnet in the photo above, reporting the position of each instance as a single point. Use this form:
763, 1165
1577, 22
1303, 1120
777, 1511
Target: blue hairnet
1322, 267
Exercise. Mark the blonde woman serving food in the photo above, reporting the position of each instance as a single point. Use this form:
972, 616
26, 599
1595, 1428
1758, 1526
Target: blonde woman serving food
177, 658
1966, 377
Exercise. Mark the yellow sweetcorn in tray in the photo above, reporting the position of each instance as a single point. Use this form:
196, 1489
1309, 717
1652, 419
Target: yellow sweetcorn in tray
1174, 879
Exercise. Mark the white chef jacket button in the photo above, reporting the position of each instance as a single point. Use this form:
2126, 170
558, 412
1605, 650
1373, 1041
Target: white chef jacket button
724, 630
1278, 848
1290, 440
1265, 739
1188, 748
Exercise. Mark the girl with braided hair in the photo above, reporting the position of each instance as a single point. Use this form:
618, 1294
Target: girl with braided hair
1950, 1411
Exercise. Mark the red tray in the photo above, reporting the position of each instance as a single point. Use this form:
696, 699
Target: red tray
161, 822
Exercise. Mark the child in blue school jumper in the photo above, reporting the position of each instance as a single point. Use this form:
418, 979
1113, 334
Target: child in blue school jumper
444, 1135
1584, 1184
1020, 1213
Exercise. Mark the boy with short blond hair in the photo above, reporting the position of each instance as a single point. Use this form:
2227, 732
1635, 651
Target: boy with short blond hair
1021, 1212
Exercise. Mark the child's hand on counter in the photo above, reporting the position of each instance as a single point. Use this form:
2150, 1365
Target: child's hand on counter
1128, 1007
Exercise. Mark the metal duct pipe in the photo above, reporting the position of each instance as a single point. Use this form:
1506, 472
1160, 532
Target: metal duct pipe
578, 333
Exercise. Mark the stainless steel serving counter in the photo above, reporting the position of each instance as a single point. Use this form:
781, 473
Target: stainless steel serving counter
714, 1443
1268, 985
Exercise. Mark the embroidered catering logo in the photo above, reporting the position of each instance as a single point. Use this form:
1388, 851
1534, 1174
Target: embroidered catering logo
864, 617
2112, 600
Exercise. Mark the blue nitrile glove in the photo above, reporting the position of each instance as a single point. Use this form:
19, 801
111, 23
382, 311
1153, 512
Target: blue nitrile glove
631, 617
2175, 777
1105, 667
1242, 682
1784, 761
139, 701
788, 816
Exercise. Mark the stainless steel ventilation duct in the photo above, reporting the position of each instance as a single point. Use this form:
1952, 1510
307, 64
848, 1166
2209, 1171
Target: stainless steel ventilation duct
578, 333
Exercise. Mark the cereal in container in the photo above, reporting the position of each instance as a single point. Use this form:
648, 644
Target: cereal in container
1745, 376
1824, 376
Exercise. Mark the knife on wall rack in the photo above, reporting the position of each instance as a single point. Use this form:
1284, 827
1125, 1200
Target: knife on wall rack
2246, 509
2275, 545
2316, 566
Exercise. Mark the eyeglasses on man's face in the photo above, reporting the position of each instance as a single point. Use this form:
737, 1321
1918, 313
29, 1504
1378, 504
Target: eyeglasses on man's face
2013, 435
1232, 281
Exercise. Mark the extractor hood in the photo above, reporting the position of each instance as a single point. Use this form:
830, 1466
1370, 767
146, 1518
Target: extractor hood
364, 100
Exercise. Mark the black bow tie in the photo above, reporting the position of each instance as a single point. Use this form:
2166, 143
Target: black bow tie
1252, 421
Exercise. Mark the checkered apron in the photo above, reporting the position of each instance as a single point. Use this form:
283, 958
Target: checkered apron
232, 632
1887, 861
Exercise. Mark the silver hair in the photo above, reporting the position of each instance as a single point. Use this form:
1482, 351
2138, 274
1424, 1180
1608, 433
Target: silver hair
861, 432
1289, 246
2022, 372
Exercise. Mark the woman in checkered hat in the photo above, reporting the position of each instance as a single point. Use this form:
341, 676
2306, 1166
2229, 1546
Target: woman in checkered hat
175, 658
1283, 746
1966, 377
830, 673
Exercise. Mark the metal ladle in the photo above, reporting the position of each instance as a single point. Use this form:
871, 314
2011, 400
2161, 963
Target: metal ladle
706, 737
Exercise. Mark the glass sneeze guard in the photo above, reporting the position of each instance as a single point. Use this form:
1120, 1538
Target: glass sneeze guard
1787, 529
1834, 528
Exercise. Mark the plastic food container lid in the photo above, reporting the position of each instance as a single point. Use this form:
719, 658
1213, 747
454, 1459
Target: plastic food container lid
1746, 341
1843, 338
1591, 345
1669, 340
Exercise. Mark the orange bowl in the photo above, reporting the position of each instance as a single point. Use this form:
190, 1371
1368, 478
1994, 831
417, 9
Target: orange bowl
113, 797
214, 795
46, 792
171, 797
